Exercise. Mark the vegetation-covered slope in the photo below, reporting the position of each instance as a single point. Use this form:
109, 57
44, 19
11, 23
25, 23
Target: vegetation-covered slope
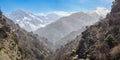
101, 41
9, 47
17, 43
37, 46
65, 52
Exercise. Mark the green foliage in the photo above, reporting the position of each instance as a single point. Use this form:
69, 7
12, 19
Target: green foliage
109, 37
109, 40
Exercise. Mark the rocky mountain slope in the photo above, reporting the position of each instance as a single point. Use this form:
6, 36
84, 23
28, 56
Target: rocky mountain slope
100, 41
31, 47
37, 46
10, 49
55, 31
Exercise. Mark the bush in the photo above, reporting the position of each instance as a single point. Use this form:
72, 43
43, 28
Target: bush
109, 40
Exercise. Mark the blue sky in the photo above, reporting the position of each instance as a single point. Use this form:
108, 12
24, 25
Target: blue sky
43, 6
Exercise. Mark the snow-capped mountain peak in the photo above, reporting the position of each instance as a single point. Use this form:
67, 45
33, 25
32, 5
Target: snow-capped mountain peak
100, 11
26, 20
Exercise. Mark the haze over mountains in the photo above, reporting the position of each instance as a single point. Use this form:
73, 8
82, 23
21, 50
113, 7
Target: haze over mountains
57, 30
100, 41
32, 21
53, 25
56, 26
59, 35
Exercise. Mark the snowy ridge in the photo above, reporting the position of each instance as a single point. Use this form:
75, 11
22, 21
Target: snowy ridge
100, 11
32, 22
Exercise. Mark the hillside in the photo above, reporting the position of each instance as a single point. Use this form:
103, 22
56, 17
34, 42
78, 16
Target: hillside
10, 49
100, 41
35, 47
65, 52
68, 38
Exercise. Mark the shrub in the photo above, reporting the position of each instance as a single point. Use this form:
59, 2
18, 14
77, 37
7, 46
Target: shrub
109, 40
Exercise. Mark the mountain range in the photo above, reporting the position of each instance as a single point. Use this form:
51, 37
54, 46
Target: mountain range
93, 35
100, 41
56, 31
56, 26
31, 21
